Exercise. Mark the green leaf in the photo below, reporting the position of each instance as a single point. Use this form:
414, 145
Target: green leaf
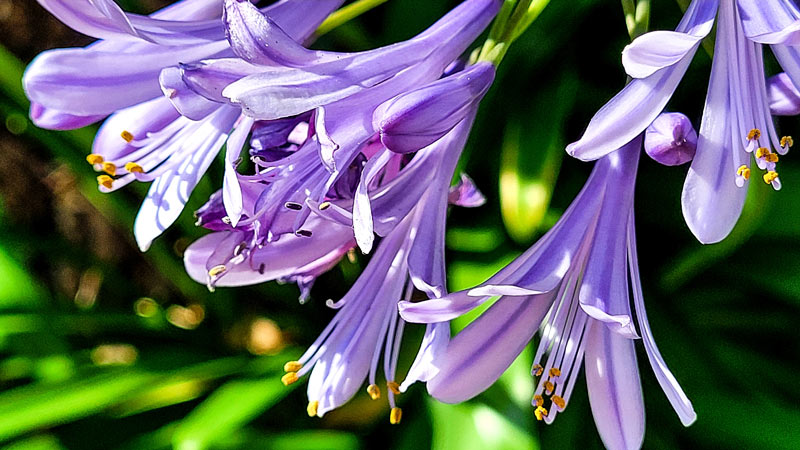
226, 411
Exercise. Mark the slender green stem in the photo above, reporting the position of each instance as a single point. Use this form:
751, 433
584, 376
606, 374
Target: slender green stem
514, 18
346, 14
637, 17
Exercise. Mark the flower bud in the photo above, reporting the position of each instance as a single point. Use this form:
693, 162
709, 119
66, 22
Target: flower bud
670, 139
784, 98
416, 119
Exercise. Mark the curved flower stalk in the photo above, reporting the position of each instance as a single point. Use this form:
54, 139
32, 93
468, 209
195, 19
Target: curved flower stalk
343, 91
736, 122
145, 138
576, 286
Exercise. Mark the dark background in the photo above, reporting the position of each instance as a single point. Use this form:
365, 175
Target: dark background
103, 347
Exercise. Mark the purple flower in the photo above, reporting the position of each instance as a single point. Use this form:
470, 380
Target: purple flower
736, 121
411, 211
345, 96
575, 286
784, 98
145, 138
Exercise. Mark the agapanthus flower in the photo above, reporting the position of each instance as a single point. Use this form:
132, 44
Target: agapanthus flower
576, 286
736, 122
145, 138
342, 91
671, 139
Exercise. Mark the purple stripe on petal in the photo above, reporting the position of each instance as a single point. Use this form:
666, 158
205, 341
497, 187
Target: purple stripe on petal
615, 392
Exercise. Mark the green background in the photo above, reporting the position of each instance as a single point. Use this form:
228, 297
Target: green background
104, 347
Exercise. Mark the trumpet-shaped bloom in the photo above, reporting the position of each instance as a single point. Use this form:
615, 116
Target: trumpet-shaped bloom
576, 286
736, 122
145, 138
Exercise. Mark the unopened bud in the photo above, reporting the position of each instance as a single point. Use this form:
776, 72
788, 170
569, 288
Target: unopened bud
670, 139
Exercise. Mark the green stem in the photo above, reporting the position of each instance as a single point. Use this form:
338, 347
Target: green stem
346, 14
637, 17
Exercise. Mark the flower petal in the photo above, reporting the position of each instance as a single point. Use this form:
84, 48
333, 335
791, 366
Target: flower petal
784, 98
52, 119
656, 50
775, 22
231, 190
615, 392
477, 356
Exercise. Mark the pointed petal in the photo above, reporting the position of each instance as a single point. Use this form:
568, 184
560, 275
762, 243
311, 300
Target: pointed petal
656, 50
431, 353
52, 119
441, 309
677, 398
481, 352
466, 194
231, 191
615, 392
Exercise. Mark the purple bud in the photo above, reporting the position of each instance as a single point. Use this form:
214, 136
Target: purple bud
670, 139
784, 98
416, 119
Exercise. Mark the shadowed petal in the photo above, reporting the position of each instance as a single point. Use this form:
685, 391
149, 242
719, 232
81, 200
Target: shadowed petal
773, 22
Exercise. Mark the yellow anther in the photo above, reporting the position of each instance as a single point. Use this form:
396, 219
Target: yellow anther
537, 371
762, 152
324, 205
105, 181
755, 133
395, 416
312, 408
110, 168
549, 387
540, 412
538, 400
770, 176
394, 387
559, 401
771, 157
743, 172
216, 270
132, 167
555, 372
292, 366
374, 391
289, 378
127, 136
787, 141
94, 158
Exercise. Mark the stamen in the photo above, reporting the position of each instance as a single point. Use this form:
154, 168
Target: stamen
289, 378
105, 181
770, 176
94, 158
312, 408
132, 167
540, 412
304, 233
538, 400
216, 270
537, 370
374, 391
771, 157
754, 134
292, 366
324, 205
110, 168
549, 387
395, 416
743, 172
394, 387
555, 372
559, 401
293, 206
762, 152
127, 136
787, 141
351, 255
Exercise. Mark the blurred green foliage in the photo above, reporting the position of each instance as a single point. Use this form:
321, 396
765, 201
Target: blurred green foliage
103, 347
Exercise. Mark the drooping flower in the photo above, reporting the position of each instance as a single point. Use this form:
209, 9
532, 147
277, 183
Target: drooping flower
342, 91
575, 287
145, 138
736, 121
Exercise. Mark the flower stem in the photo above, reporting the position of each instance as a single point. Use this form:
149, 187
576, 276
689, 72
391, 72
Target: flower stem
514, 18
637, 16
346, 14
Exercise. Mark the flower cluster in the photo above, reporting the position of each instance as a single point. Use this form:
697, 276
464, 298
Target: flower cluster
329, 152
